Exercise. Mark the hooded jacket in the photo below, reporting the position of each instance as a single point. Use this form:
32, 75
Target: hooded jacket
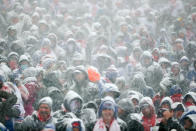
192, 95
138, 84
166, 100
148, 122
132, 123
33, 122
190, 113
71, 95
152, 71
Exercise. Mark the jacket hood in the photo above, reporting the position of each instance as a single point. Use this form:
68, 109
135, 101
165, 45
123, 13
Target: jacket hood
23, 58
29, 72
167, 100
13, 54
71, 95
148, 55
138, 83
147, 100
184, 58
88, 116
127, 105
190, 112
164, 60
191, 94
131, 93
81, 69
70, 123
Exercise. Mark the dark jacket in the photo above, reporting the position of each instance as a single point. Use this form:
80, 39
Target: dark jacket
171, 124
6, 107
32, 123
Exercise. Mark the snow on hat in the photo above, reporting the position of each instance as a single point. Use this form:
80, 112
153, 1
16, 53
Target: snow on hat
46, 100
108, 103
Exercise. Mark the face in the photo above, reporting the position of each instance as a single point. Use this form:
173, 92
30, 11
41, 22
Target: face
135, 102
165, 106
146, 111
175, 70
107, 115
79, 76
188, 124
75, 105
166, 115
189, 99
44, 111
12, 33
137, 55
147, 61
178, 114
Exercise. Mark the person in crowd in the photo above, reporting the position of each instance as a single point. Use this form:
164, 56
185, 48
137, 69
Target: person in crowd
41, 119
108, 120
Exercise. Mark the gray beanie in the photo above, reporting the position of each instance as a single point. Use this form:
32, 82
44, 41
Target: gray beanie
46, 100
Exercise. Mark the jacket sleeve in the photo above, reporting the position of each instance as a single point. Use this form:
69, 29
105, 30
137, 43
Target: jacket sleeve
24, 125
13, 112
30, 123
11, 99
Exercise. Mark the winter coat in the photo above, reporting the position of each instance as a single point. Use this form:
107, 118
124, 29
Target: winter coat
62, 117
86, 90
138, 84
152, 72
133, 123
171, 124
32, 123
148, 122
7, 111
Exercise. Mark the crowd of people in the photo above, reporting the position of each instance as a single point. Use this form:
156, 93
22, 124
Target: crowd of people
98, 65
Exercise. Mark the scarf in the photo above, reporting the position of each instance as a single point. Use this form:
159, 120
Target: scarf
100, 126
148, 122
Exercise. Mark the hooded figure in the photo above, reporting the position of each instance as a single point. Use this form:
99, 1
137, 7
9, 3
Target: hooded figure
73, 103
74, 124
125, 112
88, 116
11, 35
165, 64
13, 60
57, 97
138, 84
108, 117
152, 71
189, 99
81, 82
39, 120
111, 90
166, 103
71, 47
192, 74
148, 111
188, 119
178, 109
